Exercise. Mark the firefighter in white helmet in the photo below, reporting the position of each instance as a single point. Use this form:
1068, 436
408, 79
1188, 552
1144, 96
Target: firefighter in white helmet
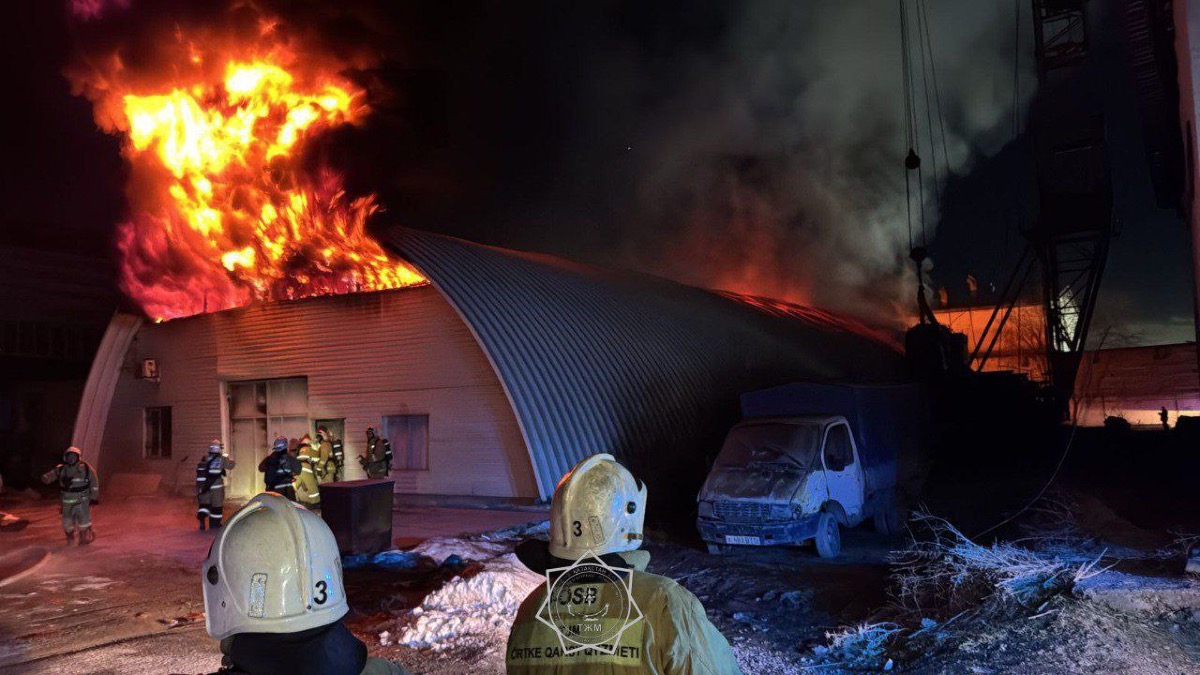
79, 486
210, 484
598, 510
273, 595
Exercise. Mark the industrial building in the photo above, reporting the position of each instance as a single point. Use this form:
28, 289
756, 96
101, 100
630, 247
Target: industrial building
491, 381
1135, 383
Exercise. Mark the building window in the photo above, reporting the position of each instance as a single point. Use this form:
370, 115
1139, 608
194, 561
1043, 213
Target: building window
158, 432
409, 437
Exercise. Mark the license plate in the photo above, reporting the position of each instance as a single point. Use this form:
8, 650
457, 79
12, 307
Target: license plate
742, 541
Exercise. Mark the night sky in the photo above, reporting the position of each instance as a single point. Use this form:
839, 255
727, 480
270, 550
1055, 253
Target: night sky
601, 134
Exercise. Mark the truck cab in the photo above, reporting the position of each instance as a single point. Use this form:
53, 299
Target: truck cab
786, 481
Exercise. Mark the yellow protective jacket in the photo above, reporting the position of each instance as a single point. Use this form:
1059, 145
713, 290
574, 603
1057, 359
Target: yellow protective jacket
326, 467
673, 637
306, 485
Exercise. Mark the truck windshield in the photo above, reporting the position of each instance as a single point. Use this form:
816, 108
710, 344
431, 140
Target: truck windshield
755, 443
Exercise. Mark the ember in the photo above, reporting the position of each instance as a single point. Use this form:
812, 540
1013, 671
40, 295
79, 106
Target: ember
223, 210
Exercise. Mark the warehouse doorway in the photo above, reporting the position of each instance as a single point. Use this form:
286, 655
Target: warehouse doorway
335, 425
260, 410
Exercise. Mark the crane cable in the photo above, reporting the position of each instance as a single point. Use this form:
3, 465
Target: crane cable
937, 95
922, 49
912, 125
909, 134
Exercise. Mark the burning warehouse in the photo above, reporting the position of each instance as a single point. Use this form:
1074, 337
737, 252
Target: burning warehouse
490, 381
310, 228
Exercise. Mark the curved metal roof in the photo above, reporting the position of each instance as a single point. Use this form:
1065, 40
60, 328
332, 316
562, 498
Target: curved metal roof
595, 360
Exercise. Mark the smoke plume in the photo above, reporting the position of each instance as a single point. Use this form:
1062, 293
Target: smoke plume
755, 147
768, 157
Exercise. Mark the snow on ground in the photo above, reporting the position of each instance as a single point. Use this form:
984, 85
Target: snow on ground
476, 550
472, 612
775, 606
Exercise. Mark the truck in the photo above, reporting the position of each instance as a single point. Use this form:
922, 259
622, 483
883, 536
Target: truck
809, 459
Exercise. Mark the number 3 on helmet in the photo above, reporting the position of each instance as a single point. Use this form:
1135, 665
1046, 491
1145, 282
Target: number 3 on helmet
598, 506
274, 568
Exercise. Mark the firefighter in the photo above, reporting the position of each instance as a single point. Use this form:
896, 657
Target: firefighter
279, 469
598, 509
210, 484
79, 486
378, 462
339, 458
327, 468
277, 608
307, 490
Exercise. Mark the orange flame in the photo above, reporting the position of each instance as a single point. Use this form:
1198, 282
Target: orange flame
222, 212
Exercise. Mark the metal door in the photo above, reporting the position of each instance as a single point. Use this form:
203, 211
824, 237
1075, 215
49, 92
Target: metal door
843, 471
249, 441
259, 412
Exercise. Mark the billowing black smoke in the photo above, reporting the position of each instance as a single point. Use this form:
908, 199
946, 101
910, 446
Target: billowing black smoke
754, 146
767, 145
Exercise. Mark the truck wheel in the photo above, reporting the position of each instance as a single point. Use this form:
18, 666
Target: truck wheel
718, 549
829, 537
890, 520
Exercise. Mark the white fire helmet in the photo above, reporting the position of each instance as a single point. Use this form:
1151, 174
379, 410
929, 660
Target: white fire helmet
274, 568
598, 506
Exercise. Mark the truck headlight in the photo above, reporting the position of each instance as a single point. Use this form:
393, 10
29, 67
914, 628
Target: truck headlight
780, 511
706, 510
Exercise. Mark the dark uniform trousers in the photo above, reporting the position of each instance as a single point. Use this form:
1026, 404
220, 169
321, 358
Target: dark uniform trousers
210, 489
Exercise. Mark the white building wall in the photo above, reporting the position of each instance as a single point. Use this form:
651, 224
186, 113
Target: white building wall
364, 355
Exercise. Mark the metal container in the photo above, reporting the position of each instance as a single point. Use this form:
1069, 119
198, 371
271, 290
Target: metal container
360, 514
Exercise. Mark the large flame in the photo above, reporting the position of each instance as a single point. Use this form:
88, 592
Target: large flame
223, 211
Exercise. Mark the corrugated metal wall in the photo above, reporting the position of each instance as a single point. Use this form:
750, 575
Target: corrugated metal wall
647, 369
365, 356
1135, 382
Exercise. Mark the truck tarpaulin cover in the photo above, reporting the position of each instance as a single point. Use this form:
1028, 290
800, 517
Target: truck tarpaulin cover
890, 423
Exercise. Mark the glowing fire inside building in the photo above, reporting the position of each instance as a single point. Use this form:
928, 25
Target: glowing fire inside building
223, 210
513, 338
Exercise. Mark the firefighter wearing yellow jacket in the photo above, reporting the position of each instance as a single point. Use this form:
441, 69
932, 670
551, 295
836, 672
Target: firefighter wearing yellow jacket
327, 464
606, 615
79, 487
308, 491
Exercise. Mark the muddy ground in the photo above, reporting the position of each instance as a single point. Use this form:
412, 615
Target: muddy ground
130, 603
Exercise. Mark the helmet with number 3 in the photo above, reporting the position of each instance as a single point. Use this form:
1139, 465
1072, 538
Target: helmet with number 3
598, 506
274, 568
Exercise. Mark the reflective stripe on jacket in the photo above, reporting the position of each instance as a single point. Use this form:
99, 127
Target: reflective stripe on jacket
209, 473
78, 481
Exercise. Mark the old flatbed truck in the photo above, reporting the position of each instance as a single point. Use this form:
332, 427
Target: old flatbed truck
809, 459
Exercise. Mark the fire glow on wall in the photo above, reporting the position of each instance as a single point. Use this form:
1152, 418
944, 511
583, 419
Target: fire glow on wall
226, 207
